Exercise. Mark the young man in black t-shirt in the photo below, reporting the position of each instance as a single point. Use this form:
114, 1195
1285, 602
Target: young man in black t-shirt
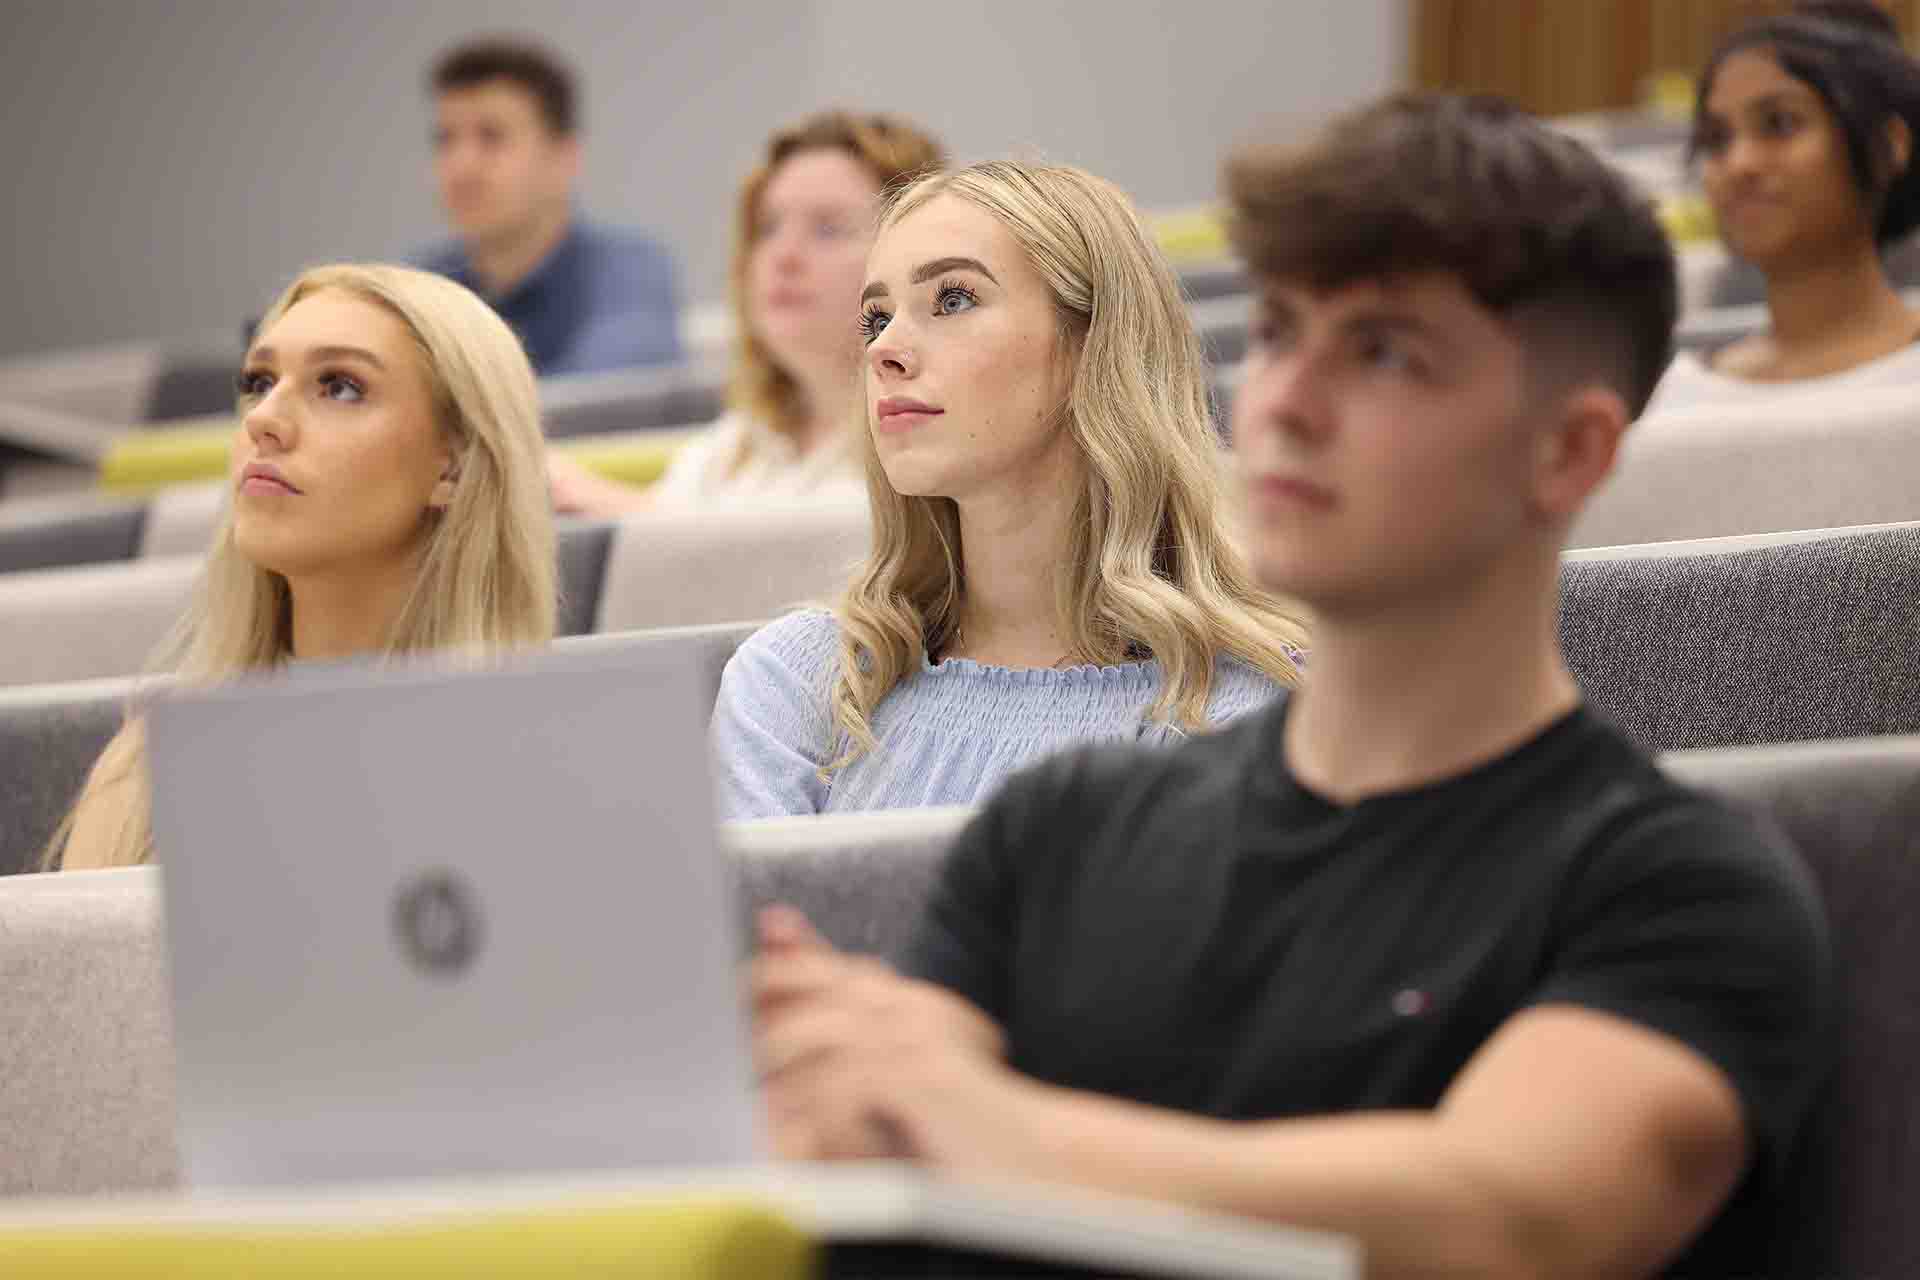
1428, 956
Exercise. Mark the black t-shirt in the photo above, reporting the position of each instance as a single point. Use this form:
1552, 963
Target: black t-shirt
1194, 929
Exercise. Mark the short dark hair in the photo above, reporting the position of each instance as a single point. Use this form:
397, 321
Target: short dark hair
1849, 54
526, 63
1534, 225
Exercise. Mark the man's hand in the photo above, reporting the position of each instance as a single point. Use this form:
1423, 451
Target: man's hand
858, 1062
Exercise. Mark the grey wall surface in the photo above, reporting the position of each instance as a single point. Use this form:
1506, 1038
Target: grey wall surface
171, 164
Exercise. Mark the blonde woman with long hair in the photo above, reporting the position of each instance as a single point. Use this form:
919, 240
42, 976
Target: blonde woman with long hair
801, 228
1052, 562
389, 497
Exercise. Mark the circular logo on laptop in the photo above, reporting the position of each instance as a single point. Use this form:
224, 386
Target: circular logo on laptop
438, 923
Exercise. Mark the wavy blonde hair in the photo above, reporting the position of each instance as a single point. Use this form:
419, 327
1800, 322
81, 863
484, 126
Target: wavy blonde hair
1151, 570
893, 151
486, 582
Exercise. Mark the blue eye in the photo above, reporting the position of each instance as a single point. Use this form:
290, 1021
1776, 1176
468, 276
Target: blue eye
872, 321
954, 299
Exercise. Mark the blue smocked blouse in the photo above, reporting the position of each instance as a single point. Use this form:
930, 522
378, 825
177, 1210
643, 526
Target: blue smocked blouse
949, 733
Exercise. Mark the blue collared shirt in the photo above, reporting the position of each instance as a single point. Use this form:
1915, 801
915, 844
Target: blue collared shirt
603, 299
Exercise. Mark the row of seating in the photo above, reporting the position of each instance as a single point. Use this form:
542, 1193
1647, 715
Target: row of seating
86, 1094
648, 570
1796, 464
1689, 645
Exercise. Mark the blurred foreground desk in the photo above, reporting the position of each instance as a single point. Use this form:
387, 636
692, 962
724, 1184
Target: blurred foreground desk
774, 1222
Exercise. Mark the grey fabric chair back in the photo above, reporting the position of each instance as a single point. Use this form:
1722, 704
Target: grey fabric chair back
1853, 809
1729, 642
52, 533
581, 547
50, 735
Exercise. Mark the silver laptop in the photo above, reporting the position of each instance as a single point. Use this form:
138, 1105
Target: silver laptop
434, 923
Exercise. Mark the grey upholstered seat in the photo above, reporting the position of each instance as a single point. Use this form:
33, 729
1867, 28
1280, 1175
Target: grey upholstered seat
1806, 462
50, 735
50, 533
1853, 809
1731, 641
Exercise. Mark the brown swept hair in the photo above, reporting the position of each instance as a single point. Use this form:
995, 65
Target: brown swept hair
1151, 569
520, 61
894, 152
1535, 225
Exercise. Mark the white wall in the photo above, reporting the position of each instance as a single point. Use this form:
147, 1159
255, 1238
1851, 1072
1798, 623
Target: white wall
170, 164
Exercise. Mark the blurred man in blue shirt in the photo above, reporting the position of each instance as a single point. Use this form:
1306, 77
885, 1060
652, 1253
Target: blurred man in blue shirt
507, 161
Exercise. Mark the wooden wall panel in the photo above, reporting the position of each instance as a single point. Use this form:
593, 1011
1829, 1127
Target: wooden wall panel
1557, 57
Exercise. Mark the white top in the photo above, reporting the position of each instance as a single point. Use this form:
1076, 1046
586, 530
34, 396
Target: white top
710, 468
1690, 383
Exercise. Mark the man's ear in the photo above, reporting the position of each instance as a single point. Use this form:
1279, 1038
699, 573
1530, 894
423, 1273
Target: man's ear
1573, 458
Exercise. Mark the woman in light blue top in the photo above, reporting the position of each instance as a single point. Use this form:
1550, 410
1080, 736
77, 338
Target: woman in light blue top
1051, 561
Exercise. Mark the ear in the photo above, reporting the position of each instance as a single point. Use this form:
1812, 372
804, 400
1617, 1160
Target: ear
568, 156
442, 496
1574, 457
1899, 145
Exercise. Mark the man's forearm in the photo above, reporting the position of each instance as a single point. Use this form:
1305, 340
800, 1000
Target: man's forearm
1389, 1180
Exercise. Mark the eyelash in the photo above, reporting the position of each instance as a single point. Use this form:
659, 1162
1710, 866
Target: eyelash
245, 383
871, 316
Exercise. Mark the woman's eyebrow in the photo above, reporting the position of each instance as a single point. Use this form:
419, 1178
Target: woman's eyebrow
928, 270
265, 355
939, 266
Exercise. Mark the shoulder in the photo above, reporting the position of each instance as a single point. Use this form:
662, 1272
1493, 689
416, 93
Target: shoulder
1674, 843
1239, 687
1133, 788
805, 642
443, 257
623, 250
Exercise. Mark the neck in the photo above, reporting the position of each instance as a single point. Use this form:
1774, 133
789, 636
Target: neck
502, 262
1012, 543
1813, 305
339, 616
1409, 695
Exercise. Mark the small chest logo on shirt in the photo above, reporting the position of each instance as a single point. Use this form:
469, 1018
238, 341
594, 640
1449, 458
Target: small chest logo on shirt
1411, 1002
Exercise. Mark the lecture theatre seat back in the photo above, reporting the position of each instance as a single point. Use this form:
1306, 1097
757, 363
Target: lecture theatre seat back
89, 621
54, 532
86, 1061
50, 735
1804, 462
731, 563
1724, 642
1853, 810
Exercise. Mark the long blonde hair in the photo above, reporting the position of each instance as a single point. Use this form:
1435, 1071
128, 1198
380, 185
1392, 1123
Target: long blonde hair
486, 582
1150, 569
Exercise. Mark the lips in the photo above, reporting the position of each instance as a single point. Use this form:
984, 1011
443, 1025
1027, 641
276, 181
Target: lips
265, 478
901, 413
1293, 492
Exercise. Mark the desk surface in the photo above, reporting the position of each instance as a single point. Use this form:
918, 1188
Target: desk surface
872, 1211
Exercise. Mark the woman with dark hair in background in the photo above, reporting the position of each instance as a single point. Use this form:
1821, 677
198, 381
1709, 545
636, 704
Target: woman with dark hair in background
1804, 130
